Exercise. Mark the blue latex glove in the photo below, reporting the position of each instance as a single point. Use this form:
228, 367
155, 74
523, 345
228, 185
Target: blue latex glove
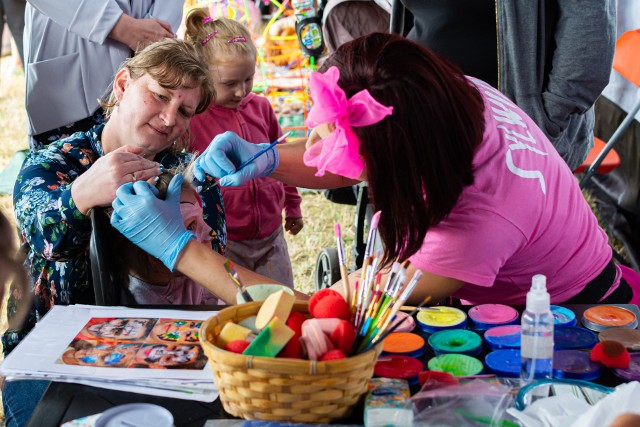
155, 225
226, 152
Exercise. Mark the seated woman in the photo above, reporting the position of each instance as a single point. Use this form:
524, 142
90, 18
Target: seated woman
139, 277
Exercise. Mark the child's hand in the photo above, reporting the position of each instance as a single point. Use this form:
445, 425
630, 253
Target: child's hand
293, 225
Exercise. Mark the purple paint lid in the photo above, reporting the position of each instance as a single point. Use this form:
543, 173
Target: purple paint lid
575, 364
631, 372
485, 316
503, 337
574, 338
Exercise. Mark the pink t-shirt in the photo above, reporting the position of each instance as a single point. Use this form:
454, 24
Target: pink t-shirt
523, 215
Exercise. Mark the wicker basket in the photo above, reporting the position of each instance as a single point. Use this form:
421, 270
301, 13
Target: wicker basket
273, 389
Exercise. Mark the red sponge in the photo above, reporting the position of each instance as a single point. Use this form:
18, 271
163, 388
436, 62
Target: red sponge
237, 346
327, 303
612, 354
343, 336
332, 355
293, 348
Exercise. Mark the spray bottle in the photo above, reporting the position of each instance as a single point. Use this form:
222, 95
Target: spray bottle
537, 333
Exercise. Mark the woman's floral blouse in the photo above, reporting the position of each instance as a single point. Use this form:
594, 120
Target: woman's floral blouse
55, 234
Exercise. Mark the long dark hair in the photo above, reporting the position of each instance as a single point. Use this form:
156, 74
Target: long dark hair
419, 159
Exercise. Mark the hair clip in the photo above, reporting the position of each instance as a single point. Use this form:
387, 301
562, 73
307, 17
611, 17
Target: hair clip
208, 37
237, 39
207, 19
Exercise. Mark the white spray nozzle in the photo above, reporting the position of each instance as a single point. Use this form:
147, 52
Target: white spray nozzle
538, 299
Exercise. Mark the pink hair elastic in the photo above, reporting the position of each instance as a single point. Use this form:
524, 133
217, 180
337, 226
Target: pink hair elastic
237, 39
208, 37
207, 19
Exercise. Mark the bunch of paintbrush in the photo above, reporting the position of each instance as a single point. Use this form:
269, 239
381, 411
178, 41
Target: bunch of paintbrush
228, 265
373, 308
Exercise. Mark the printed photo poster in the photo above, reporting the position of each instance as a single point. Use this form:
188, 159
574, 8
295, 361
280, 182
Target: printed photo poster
132, 342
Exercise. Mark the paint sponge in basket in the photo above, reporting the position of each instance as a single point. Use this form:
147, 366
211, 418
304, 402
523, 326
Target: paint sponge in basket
278, 304
270, 340
327, 303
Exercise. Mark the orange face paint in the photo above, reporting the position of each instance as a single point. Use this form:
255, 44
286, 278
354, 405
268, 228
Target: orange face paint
406, 343
601, 317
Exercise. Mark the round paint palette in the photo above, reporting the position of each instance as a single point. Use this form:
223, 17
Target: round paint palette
504, 363
601, 317
459, 365
399, 367
574, 338
503, 337
562, 316
407, 324
459, 341
575, 364
440, 317
485, 316
631, 372
404, 343
630, 338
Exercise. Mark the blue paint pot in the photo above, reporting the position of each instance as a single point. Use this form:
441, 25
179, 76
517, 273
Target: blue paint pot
562, 316
503, 337
575, 364
574, 338
504, 363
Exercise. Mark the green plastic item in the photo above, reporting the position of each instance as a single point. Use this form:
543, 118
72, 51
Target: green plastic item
459, 365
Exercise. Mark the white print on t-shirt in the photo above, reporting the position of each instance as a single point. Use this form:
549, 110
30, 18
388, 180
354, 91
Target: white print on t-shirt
521, 141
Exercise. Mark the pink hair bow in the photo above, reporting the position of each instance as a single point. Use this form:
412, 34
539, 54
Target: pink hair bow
339, 153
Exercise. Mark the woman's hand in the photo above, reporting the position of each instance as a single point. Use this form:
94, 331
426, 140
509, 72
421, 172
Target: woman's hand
139, 33
226, 152
98, 185
155, 225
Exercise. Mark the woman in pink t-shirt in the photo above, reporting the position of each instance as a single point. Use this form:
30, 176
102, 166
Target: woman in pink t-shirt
470, 190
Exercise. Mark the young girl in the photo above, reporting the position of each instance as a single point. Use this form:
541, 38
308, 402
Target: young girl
254, 210
146, 279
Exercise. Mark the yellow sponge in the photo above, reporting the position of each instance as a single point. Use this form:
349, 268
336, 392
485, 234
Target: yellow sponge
231, 332
278, 304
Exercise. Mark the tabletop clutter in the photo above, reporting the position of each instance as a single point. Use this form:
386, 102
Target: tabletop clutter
289, 361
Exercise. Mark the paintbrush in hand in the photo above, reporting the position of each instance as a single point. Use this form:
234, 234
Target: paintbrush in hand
228, 265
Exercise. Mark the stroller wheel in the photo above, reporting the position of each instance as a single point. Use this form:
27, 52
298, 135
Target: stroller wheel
327, 271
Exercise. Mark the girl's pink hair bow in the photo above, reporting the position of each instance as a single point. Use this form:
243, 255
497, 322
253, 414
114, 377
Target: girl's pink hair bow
339, 153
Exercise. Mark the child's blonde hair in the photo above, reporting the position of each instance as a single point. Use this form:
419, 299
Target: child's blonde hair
221, 37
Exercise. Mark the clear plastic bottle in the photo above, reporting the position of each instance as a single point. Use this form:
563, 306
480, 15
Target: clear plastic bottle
536, 350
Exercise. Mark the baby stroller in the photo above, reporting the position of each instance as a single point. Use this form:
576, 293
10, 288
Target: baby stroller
342, 21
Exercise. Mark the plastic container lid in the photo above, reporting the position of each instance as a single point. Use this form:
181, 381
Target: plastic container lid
135, 414
440, 317
631, 372
485, 316
459, 341
407, 324
404, 343
574, 338
575, 364
601, 317
503, 337
459, 365
504, 363
630, 338
562, 316
398, 367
